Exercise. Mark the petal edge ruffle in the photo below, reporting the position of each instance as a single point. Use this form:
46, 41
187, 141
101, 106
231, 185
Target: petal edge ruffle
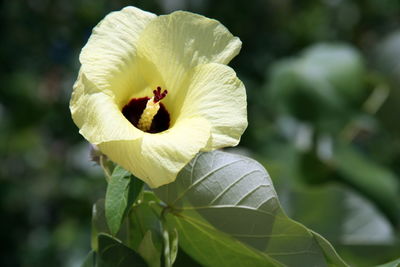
157, 158
172, 44
214, 92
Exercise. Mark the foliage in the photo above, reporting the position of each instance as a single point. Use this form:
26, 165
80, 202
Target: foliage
233, 194
238, 222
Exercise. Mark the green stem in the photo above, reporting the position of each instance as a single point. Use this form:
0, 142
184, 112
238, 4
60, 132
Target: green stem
103, 164
165, 234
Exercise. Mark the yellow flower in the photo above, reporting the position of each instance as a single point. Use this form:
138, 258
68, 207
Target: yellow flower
153, 91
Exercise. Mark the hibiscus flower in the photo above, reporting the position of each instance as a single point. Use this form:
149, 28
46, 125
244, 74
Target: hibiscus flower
153, 91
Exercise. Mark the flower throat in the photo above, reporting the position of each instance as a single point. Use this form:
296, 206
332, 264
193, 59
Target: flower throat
148, 114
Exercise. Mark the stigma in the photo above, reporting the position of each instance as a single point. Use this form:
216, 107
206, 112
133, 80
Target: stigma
151, 109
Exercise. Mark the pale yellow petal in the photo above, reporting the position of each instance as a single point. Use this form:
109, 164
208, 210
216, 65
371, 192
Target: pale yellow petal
171, 45
214, 92
109, 57
97, 115
158, 158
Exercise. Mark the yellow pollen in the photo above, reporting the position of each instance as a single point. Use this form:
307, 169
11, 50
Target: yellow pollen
148, 114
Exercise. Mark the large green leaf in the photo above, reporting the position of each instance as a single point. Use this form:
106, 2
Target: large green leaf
359, 231
122, 191
221, 201
376, 182
351, 219
211, 247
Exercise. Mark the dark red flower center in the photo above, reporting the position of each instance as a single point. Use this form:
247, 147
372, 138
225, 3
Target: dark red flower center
134, 109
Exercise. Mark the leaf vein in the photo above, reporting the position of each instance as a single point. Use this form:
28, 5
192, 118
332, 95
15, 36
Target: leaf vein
205, 176
250, 192
231, 185
230, 206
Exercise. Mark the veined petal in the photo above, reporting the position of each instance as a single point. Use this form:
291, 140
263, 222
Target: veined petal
97, 115
214, 92
171, 45
109, 57
157, 158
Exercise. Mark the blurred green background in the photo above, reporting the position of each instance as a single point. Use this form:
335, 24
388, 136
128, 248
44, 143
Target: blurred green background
323, 84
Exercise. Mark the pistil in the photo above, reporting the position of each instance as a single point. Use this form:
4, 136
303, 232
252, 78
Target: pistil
152, 107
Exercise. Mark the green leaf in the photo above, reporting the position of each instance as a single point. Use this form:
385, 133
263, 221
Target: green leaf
140, 231
112, 253
211, 247
143, 217
377, 183
90, 260
99, 225
122, 191
341, 222
360, 232
183, 260
145, 229
332, 258
220, 199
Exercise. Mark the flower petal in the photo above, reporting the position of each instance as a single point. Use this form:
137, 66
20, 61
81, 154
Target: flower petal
97, 115
158, 158
109, 57
215, 93
172, 44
